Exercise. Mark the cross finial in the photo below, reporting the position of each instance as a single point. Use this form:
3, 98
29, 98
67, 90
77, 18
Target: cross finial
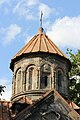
41, 19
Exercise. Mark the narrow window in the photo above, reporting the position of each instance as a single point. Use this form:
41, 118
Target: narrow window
45, 82
30, 77
45, 79
18, 80
59, 78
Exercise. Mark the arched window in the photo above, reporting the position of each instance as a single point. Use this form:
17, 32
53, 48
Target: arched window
45, 80
30, 76
60, 79
45, 76
18, 81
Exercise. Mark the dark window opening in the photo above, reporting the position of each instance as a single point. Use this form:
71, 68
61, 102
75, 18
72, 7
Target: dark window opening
45, 81
59, 78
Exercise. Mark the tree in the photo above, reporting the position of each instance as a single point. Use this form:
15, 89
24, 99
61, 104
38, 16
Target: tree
74, 76
1, 89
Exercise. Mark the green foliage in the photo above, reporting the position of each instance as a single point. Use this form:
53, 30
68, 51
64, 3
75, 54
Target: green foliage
1, 89
74, 75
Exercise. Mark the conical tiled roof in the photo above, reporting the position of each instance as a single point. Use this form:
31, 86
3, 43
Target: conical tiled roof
40, 43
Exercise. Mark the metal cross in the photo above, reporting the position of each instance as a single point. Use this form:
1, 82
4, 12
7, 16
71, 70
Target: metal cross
41, 19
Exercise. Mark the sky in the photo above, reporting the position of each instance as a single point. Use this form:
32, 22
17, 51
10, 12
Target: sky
20, 21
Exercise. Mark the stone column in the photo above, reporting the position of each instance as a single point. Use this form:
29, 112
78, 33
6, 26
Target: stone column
55, 81
34, 80
53, 72
27, 79
23, 81
38, 78
52, 78
66, 84
13, 85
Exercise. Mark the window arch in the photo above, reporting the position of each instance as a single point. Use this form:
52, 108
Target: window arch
31, 69
60, 78
29, 77
18, 80
45, 78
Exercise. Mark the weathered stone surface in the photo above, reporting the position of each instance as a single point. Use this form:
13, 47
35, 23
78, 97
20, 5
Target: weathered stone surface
50, 106
44, 66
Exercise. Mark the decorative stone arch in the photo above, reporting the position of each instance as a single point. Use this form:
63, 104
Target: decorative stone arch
59, 78
30, 77
13, 88
18, 83
45, 76
16, 71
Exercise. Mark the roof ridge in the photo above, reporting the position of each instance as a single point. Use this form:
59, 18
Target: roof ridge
46, 43
34, 44
57, 49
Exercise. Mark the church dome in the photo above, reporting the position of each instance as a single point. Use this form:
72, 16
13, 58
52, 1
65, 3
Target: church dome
39, 43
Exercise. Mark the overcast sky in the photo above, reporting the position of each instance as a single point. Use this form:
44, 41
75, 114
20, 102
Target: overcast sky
20, 20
